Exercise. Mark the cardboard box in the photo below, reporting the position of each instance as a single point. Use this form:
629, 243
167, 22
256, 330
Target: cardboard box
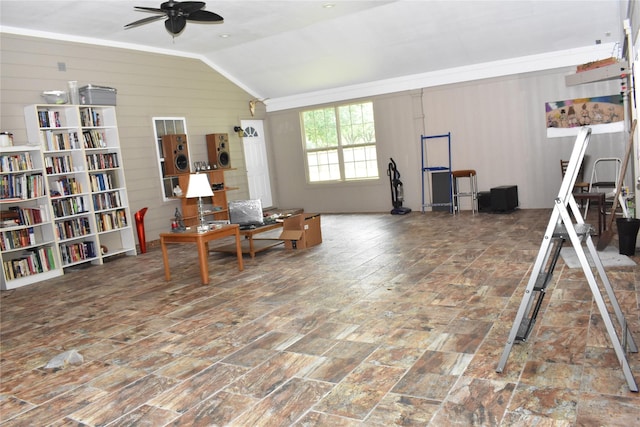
596, 64
97, 95
312, 230
301, 231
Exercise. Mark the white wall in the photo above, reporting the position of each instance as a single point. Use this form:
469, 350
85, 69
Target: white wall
497, 125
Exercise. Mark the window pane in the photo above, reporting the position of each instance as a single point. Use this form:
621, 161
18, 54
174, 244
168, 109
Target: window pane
323, 166
356, 124
360, 162
320, 128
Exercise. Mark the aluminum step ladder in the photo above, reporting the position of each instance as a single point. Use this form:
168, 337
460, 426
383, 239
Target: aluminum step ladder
560, 229
598, 185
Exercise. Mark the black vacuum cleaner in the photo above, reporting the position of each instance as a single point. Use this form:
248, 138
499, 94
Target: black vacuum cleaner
397, 193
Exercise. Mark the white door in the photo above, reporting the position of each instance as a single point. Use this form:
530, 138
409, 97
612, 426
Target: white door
255, 157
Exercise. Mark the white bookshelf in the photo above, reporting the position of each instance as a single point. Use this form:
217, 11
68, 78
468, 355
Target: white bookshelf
85, 188
28, 246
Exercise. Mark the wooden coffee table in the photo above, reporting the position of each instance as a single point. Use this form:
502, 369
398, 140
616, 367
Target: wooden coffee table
251, 244
202, 241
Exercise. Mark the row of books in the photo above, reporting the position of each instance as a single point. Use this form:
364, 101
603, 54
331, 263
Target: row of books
94, 139
23, 216
68, 206
74, 252
101, 182
56, 141
58, 164
71, 228
49, 119
21, 186
102, 161
16, 239
111, 220
90, 117
109, 200
65, 187
33, 262
16, 162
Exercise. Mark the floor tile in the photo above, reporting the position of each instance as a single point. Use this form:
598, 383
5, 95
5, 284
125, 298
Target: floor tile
403, 324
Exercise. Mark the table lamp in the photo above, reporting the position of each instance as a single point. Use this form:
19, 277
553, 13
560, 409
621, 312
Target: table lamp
199, 187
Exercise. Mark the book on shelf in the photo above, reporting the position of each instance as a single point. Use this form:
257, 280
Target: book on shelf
89, 117
16, 162
68, 206
75, 252
58, 164
57, 141
94, 139
49, 119
108, 200
102, 161
21, 187
66, 186
30, 262
17, 215
72, 228
17, 239
101, 181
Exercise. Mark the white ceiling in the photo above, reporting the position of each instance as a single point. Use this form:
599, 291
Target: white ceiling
284, 49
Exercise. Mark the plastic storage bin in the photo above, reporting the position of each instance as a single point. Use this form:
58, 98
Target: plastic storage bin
97, 95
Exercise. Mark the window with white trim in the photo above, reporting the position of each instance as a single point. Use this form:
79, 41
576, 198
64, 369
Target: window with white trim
340, 143
167, 126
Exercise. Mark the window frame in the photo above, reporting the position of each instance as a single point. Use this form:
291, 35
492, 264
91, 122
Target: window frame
339, 148
167, 183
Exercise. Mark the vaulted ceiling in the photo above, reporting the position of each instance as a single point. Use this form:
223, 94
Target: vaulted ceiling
284, 49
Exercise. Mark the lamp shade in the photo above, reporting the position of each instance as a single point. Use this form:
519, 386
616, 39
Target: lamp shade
199, 186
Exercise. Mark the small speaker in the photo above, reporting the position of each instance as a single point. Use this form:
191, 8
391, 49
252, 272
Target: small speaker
484, 201
218, 150
176, 154
504, 198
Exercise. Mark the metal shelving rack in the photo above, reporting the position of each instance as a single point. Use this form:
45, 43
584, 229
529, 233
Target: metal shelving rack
428, 169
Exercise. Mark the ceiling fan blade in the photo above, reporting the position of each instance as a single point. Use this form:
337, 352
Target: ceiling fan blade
144, 21
188, 7
204, 16
149, 9
175, 24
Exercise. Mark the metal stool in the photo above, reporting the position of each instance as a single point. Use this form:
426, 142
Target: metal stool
473, 189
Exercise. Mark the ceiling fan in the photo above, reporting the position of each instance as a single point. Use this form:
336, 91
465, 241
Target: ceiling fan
177, 14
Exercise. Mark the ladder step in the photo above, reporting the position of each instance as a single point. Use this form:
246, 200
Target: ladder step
582, 230
542, 281
525, 327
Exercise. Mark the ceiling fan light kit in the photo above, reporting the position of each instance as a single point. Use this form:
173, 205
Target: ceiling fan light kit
177, 14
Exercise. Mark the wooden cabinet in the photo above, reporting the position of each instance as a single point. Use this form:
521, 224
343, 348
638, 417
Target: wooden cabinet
216, 207
75, 150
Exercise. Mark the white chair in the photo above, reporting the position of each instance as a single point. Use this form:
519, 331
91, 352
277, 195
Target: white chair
604, 178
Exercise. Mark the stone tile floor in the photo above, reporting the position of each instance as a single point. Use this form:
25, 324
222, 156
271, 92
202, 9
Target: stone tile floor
392, 320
